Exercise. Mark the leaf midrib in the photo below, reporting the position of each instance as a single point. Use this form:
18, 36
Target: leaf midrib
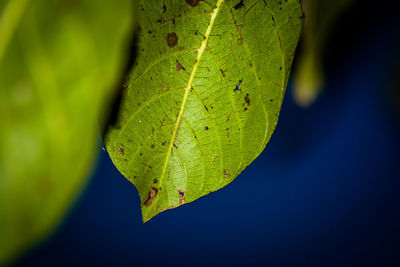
187, 89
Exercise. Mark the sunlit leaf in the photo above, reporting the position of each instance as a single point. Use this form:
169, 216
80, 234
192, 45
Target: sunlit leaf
60, 61
204, 97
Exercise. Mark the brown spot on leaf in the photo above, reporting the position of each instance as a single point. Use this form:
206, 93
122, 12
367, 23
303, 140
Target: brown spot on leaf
181, 197
121, 151
229, 116
164, 7
247, 99
155, 180
163, 143
192, 2
152, 196
152, 146
179, 66
172, 39
226, 173
206, 128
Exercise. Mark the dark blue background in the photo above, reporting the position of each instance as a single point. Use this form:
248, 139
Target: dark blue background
325, 192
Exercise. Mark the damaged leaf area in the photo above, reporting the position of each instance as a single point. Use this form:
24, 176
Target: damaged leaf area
204, 95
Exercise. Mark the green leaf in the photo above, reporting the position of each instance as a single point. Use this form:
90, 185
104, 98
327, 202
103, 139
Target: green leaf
60, 61
204, 97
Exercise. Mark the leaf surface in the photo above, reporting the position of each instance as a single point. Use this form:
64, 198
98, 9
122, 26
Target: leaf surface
204, 96
59, 63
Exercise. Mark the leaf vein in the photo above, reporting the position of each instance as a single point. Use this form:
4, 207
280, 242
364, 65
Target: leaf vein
233, 105
256, 77
131, 117
154, 62
189, 85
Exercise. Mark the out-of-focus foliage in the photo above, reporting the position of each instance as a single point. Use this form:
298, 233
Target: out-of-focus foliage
60, 61
204, 97
320, 16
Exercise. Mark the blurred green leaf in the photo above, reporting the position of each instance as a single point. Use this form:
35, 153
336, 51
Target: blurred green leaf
320, 17
60, 61
204, 97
